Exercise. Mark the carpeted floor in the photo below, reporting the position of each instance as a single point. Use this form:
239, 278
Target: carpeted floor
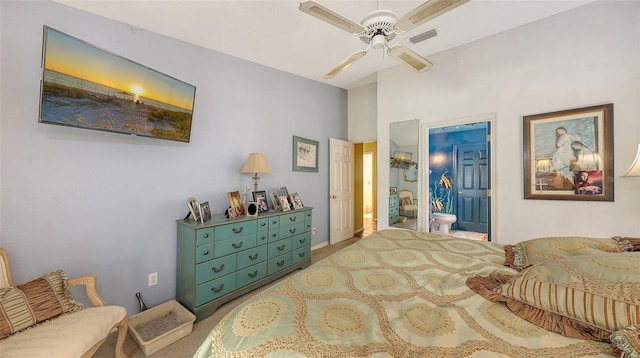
188, 345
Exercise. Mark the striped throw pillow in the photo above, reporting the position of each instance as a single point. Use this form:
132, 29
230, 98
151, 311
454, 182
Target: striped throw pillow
597, 293
36, 301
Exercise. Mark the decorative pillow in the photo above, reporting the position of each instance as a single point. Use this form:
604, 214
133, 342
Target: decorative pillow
626, 342
594, 294
36, 301
406, 201
531, 252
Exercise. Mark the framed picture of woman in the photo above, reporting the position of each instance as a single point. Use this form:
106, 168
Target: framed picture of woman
568, 155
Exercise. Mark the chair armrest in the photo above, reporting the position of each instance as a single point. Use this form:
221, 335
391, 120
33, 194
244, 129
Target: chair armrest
90, 285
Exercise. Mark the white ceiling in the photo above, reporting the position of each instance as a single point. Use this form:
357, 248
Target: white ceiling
276, 34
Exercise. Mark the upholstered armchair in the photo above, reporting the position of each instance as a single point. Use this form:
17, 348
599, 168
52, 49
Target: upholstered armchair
407, 204
41, 319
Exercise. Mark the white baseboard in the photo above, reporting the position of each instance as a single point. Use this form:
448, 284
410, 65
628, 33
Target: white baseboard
320, 245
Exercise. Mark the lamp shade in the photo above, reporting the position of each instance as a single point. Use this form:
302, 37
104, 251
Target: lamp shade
634, 169
256, 163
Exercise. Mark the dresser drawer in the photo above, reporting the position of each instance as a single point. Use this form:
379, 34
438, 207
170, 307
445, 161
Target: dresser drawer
274, 235
274, 222
300, 254
279, 247
237, 244
204, 253
290, 219
291, 230
215, 268
228, 231
204, 236
251, 274
301, 240
263, 224
214, 289
278, 263
308, 224
262, 237
252, 256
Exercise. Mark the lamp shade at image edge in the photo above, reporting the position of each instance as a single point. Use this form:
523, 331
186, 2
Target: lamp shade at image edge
634, 169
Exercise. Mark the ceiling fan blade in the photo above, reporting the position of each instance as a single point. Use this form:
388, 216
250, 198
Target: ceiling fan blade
344, 64
410, 57
427, 11
325, 14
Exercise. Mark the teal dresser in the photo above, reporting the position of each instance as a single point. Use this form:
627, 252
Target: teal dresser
394, 208
226, 258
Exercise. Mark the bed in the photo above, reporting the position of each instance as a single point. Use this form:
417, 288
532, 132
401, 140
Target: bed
400, 293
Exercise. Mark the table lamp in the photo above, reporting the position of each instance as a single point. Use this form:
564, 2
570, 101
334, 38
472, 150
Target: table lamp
634, 169
256, 164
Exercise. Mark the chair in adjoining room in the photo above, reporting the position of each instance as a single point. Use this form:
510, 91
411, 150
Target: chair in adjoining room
407, 204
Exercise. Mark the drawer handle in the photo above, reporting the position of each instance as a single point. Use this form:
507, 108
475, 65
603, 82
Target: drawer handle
302, 254
293, 218
216, 290
237, 246
263, 237
252, 275
302, 240
263, 224
280, 248
218, 270
274, 235
206, 253
280, 263
205, 236
293, 230
237, 231
274, 222
254, 256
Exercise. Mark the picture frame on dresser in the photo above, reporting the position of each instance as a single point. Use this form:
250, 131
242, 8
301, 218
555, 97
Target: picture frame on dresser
296, 201
284, 203
260, 198
205, 210
236, 203
275, 200
194, 209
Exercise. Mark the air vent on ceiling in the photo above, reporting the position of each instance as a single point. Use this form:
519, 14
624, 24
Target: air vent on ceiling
423, 36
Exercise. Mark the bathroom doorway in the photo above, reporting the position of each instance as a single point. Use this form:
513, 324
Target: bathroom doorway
459, 176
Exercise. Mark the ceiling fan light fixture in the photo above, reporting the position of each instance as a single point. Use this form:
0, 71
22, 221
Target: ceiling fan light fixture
378, 41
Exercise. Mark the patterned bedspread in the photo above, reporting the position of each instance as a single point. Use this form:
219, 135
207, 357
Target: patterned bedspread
395, 293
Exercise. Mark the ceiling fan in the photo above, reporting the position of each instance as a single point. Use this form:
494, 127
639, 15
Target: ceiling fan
379, 27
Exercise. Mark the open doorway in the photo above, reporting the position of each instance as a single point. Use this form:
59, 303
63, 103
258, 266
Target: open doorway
366, 212
459, 179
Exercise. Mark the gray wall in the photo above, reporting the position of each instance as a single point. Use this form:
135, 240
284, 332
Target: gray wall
100, 203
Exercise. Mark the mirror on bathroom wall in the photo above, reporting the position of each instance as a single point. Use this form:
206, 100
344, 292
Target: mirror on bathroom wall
403, 174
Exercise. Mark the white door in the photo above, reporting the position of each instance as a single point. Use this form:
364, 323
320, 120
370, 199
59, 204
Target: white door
341, 194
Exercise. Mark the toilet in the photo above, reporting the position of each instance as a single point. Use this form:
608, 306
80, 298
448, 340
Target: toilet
442, 222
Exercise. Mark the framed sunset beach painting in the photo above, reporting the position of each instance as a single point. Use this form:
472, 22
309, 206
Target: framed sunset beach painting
87, 87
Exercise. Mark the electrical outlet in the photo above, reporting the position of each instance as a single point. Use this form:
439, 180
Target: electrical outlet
153, 279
